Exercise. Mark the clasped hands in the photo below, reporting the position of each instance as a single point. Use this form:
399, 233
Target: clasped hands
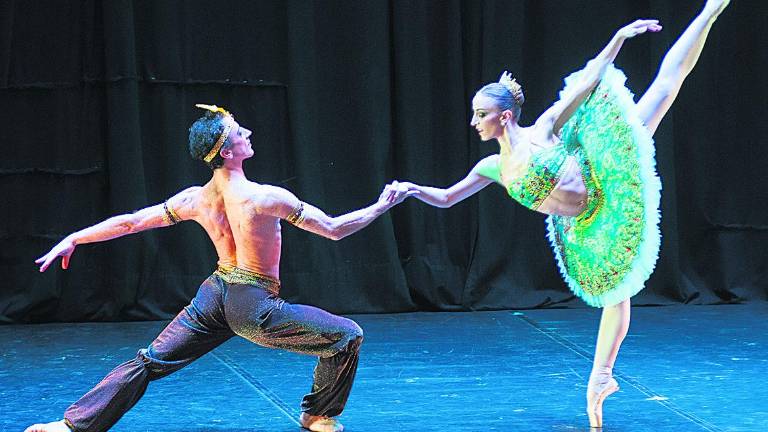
396, 192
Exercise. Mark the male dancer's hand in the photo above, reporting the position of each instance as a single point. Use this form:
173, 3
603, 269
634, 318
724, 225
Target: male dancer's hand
64, 249
395, 193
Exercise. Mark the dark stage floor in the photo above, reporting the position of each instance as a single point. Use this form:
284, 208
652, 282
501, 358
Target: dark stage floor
682, 368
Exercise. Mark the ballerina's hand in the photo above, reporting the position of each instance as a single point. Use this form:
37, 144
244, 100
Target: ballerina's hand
64, 249
639, 27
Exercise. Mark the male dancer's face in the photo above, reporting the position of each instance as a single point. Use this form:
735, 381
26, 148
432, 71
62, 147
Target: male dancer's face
239, 141
485, 118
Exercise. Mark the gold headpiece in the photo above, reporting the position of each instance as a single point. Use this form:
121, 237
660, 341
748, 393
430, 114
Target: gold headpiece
214, 109
224, 134
511, 84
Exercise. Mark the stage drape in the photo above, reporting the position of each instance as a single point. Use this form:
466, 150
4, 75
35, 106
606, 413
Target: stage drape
97, 98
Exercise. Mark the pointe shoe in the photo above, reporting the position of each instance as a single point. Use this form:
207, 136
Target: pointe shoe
600, 387
320, 423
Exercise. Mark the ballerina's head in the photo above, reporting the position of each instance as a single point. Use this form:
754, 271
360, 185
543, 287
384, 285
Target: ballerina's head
495, 105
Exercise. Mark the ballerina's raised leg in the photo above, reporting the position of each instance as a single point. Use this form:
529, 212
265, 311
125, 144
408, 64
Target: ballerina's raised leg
677, 64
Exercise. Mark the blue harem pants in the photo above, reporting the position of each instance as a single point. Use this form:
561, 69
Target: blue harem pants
219, 311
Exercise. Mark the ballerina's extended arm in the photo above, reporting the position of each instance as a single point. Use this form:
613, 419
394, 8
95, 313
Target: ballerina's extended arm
466, 187
555, 117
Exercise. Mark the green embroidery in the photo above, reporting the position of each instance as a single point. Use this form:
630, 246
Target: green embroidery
544, 172
599, 247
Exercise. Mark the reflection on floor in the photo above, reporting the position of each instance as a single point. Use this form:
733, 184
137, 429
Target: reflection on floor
682, 368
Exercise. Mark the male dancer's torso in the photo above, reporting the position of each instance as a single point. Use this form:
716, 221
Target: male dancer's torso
230, 209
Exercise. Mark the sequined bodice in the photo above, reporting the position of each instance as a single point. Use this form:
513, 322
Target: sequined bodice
543, 172
536, 181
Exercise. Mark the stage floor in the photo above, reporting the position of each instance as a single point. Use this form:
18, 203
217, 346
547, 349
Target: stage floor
682, 368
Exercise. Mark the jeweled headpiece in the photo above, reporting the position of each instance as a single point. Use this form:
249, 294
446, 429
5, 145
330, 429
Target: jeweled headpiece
514, 88
224, 134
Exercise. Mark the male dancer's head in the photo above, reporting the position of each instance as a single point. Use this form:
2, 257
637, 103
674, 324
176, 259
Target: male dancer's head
218, 140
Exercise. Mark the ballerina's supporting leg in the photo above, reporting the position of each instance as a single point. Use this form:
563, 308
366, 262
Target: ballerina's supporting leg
614, 325
677, 64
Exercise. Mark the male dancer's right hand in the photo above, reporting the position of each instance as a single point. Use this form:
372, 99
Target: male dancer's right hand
64, 249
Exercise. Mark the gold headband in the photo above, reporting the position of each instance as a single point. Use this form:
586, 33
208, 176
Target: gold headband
214, 109
514, 88
224, 134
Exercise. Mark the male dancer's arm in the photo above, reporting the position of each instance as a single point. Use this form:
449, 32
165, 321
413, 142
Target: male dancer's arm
285, 205
174, 210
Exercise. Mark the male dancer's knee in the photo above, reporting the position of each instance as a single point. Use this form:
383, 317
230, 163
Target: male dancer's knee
354, 335
348, 338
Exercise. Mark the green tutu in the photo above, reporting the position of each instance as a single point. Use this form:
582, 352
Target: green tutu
608, 252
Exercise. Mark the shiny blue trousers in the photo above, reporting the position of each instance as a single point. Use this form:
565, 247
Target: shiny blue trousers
219, 311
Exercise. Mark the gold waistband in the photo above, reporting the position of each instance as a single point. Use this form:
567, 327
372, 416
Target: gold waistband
237, 275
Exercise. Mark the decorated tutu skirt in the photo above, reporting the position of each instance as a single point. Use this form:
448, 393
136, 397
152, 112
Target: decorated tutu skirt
607, 253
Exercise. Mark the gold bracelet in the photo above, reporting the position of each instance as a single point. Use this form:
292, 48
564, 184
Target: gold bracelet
297, 216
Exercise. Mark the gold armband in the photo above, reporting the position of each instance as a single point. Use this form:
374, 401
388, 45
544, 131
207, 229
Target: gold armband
170, 217
297, 215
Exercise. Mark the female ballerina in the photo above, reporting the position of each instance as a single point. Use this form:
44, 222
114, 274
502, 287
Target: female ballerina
588, 163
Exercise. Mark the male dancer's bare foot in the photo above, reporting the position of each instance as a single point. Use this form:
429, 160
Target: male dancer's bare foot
57, 426
320, 423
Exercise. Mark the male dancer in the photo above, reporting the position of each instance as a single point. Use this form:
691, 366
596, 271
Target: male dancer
242, 218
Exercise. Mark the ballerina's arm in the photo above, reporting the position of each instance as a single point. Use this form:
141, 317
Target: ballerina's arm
555, 117
447, 197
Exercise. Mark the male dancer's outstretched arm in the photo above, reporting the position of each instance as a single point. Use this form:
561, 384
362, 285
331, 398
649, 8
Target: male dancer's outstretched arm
177, 208
283, 204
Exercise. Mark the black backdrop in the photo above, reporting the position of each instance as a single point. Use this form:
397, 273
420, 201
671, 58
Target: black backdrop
344, 96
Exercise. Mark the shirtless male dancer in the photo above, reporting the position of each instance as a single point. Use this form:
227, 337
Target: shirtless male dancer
242, 218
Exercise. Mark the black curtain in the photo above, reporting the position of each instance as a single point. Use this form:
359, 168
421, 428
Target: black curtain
97, 98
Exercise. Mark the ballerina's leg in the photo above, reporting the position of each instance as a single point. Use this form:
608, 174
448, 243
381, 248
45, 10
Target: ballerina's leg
677, 64
614, 324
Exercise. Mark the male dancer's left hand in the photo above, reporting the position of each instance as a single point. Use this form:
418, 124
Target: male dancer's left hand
64, 249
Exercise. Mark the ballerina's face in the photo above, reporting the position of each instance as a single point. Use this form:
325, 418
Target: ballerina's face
486, 117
